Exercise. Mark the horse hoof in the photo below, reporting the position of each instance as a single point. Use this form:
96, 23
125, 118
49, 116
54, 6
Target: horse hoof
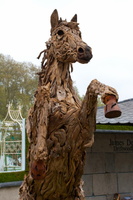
111, 109
38, 170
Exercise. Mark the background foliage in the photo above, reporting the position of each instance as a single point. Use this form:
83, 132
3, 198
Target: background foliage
18, 82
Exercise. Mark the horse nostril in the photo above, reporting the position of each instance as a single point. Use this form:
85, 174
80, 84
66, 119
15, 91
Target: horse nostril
80, 50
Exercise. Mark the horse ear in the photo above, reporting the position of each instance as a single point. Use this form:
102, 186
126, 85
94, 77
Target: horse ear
74, 19
54, 18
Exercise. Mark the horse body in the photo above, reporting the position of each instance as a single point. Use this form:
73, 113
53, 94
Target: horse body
59, 125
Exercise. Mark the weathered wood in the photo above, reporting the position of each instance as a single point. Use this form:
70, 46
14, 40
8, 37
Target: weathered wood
60, 126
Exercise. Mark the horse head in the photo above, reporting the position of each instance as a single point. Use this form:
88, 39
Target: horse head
66, 44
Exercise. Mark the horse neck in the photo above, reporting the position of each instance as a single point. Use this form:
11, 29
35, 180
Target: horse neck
57, 76
61, 75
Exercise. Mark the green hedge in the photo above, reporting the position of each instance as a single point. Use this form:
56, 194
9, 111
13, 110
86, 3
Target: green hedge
12, 176
114, 127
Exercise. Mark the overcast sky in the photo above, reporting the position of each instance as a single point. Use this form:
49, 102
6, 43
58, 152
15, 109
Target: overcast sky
106, 26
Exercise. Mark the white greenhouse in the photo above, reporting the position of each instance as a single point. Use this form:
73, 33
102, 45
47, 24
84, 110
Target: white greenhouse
12, 141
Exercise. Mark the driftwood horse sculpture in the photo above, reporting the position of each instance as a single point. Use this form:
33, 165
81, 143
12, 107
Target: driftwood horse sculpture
59, 125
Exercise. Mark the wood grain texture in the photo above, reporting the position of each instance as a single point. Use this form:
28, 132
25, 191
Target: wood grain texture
60, 126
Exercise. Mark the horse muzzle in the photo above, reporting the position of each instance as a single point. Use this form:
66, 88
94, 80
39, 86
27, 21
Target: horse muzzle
84, 54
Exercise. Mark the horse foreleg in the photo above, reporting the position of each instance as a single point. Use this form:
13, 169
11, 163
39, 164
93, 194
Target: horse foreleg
87, 114
101, 89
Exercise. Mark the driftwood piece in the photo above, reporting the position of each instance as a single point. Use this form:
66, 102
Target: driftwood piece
60, 126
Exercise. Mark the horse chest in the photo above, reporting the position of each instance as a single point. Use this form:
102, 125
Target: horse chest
63, 131
62, 115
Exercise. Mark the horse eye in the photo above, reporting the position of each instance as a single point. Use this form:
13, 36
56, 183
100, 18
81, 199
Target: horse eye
60, 32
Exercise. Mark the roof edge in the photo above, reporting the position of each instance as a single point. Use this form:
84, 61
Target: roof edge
131, 99
113, 131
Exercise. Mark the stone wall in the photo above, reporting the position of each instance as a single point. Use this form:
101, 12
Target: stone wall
109, 166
